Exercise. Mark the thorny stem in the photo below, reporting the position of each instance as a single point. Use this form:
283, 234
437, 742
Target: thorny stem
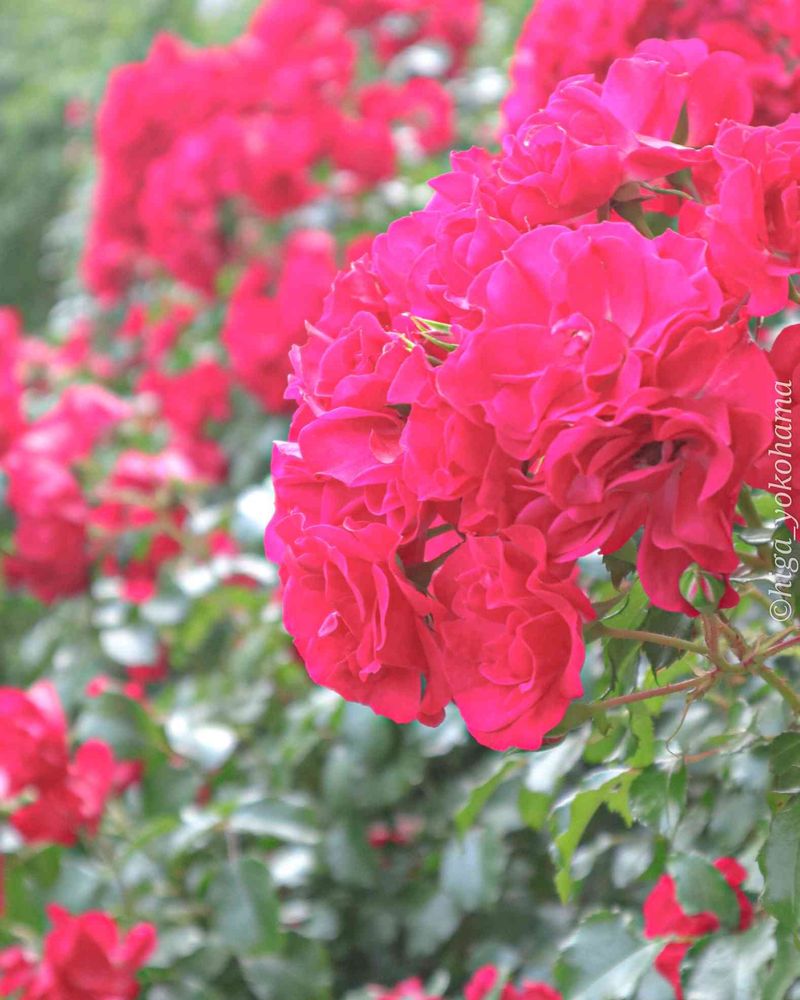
783, 645
660, 692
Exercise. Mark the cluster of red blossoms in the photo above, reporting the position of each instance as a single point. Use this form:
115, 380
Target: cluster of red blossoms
198, 148
483, 986
83, 958
53, 797
521, 374
195, 144
73, 511
563, 37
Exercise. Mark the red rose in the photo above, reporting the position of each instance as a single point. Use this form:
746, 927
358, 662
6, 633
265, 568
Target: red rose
33, 738
85, 958
779, 469
664, 917
482, 984
754, 219
511, 637
356, 620
73, 804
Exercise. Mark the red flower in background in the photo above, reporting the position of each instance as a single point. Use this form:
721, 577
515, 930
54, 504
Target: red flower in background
70, 794
188, 137
260, 328
482, 984
562, 38
84, 958
664, 917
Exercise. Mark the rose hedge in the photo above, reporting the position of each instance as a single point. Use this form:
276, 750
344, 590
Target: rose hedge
536, 494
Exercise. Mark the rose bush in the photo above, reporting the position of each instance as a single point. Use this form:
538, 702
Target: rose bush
531, 489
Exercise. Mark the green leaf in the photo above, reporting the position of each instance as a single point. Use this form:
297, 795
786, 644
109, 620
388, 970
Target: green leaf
785, 969
784, 763
658, 798
276, 818
472, 870
604, 960
643, 732
573, 814
621, 655
728, 967
206, 743
780, 865
302, 974
701, 888
665, 623
481, 793
244, 907
433, 924
622, 562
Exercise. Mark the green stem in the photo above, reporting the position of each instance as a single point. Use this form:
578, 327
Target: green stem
772, 650
660, 190
654, 637
660, 692
785, 690
748, 509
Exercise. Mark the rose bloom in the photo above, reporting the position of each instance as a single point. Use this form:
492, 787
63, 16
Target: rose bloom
779, 469
563, 37
356, 620
84, 958
754, 219
73, 804
483, 983
510, 634
33, 738
604, 363
664, 917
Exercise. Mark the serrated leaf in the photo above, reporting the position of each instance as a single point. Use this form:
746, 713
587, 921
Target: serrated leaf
610, 788
643, 732
784, 762
665, 623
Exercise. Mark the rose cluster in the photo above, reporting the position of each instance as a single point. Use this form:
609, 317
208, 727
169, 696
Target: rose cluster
196, 144
522, 374
52, 796
563, 37
80, 495
84, 958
